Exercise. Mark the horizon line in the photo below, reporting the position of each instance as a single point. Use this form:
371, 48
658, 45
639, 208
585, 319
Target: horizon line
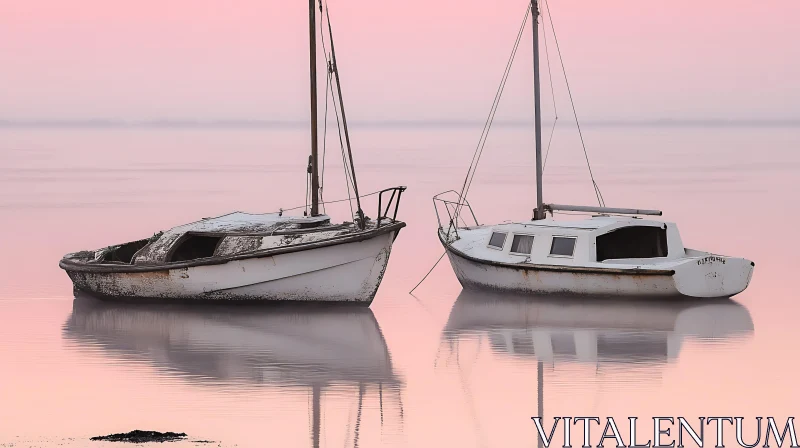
393, 123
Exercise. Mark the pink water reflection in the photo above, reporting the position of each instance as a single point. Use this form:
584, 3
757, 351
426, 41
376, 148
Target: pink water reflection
73, 189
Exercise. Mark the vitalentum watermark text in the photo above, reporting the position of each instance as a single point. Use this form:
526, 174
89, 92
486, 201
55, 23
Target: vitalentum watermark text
669, 432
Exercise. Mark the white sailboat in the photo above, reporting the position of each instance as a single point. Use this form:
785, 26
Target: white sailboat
272, 257
612, 253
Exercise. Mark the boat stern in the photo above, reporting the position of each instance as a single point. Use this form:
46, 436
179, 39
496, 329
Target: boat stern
712, 275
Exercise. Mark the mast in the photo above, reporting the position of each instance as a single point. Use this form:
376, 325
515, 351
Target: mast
539, 212
313, 165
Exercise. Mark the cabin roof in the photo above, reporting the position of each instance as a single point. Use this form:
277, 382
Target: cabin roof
592, 223
246, 222
236, 222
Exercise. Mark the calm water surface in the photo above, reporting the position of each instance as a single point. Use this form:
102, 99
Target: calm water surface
444, 367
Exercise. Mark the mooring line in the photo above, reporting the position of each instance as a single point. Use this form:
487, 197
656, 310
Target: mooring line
429, 272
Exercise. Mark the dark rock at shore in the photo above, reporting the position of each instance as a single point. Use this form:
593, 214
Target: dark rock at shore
139, 436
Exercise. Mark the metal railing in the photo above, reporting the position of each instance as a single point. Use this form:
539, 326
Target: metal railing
455, 211
383, 213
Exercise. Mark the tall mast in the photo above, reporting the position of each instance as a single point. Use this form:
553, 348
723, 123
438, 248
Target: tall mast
539, 213
313, 165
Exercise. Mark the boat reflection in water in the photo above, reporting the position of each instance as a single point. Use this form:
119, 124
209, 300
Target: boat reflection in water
593, 331
312, 347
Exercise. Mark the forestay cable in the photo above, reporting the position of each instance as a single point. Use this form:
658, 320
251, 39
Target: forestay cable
349, 178
490, 119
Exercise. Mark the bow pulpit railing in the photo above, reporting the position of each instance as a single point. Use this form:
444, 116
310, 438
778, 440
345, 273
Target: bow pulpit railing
454, 206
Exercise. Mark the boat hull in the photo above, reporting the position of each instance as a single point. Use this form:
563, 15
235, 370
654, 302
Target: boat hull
345, 272
707, 279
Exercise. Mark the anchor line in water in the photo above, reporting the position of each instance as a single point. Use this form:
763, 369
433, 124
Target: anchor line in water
429, 273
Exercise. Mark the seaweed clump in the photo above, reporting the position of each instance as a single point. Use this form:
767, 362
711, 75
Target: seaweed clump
139, 436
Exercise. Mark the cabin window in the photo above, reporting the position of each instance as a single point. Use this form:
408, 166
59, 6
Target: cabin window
632, 242
125, 252
563, 246
522, 244
497, 240
192, 247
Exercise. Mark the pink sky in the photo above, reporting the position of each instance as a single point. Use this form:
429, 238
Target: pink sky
410, 60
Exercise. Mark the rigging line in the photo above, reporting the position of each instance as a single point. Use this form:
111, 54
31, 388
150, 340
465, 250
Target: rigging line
553, 93
487, 125
490, 119
572, 102
329, 62
344, 120
493, 113
324, 139
325, 123
330, 202
344, 158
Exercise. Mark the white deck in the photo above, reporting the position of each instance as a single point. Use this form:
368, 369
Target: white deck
236, 223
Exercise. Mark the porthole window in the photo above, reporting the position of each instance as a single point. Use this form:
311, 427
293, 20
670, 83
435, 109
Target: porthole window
522, 244
563, 246
497, 240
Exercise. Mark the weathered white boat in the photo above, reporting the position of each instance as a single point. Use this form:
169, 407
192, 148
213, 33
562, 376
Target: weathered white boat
271, 257
612, 253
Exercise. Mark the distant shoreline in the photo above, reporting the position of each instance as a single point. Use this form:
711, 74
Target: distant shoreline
428, 124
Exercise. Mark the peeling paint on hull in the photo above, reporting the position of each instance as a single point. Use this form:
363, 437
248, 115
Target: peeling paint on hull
347, 272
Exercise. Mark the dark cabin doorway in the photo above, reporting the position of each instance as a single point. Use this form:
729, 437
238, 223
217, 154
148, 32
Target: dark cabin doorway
633, 242
192, 247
